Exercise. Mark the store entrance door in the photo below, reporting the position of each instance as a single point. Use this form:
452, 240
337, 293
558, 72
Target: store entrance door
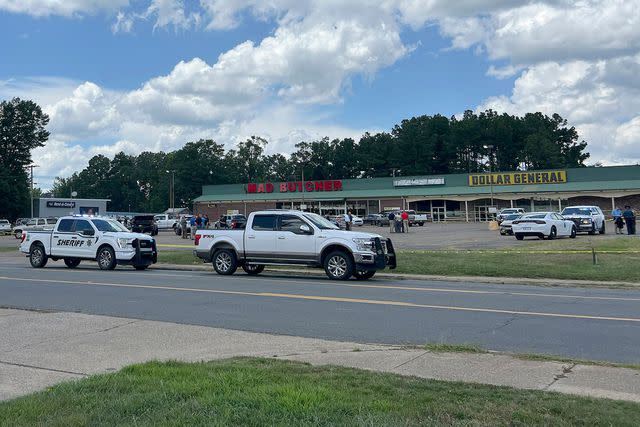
438, 214
482, 213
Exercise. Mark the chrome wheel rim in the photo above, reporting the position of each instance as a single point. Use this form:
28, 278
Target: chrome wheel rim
36, 256
337, 266
223, 261
105, 259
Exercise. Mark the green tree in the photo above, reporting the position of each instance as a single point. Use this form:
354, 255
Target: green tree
22, 128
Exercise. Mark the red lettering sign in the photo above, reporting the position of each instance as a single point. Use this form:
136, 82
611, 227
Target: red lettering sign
295, 186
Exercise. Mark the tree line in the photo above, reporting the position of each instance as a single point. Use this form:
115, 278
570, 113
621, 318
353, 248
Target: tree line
436, 144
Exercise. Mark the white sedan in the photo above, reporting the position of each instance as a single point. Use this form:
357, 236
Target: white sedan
543, 224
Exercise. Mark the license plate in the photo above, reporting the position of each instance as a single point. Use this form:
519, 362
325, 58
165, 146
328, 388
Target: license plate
526, 228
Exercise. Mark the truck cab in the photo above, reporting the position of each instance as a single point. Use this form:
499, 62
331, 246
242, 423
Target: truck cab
283, 237
77, 238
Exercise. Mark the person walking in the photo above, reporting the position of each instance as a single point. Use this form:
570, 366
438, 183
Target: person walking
629, 219
183, 226
617, 219
194, 227
392, 222
405, 221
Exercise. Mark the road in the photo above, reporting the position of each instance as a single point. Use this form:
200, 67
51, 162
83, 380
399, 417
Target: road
598, 324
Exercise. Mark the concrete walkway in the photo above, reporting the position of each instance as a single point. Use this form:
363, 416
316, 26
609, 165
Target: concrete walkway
40, 349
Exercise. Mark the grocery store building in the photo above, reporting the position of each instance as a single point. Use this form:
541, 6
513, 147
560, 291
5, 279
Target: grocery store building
464, 197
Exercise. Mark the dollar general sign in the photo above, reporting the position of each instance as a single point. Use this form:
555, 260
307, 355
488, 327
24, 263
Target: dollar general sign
518, 178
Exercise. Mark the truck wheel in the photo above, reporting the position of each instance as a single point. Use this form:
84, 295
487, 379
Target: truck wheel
71, 262
140, 267
225, 262
18, 234
593, 230
421, 224
37, 256
338, 266
106, 258
364, 275
602, 230
253, 269
574, 232
519, 236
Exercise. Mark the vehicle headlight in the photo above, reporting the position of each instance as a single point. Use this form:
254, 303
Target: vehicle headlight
586, 221
124, 242
364, 244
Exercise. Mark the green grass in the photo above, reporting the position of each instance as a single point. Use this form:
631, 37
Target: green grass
261, 392
454, 348
178, 257
6, 249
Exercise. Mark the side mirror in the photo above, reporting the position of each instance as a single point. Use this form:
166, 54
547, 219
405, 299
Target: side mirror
305, 229
88, 233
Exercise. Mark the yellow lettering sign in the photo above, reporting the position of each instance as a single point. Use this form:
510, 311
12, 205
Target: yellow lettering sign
517, 178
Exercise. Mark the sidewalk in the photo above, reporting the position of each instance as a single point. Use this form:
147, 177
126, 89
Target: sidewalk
39, 349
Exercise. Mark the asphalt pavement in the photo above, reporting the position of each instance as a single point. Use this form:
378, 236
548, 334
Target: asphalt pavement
597, 324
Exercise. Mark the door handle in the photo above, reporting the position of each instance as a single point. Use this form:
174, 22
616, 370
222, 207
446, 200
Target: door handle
251, 237
281, 237
322, 237
55, 237
74, 238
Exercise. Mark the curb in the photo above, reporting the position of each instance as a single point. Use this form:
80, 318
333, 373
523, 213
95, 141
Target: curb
467, 279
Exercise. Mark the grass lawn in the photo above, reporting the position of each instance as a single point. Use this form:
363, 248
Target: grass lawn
271, 392
510, 263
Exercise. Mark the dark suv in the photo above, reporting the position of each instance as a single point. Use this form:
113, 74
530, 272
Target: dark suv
144, 224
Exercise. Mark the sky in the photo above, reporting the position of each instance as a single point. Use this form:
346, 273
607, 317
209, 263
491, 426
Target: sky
151, 75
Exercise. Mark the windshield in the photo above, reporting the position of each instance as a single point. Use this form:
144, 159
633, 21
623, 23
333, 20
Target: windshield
512, 216
535, 216
108, 225
320, 222
576, 211
4, 221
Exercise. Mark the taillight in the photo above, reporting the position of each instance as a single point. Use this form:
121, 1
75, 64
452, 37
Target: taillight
24, 236
540, 222
197, 239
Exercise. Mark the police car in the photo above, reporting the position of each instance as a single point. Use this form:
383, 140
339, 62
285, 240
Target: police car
77, 238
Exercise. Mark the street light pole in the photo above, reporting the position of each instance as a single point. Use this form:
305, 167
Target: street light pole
31, 167
172, 190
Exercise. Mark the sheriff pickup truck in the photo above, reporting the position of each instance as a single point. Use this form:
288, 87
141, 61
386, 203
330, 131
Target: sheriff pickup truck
77, 238
295, 238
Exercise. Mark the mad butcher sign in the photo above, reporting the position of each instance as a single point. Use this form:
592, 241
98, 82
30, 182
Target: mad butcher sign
295, 186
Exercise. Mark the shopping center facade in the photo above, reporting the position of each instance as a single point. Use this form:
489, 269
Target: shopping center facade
465, 197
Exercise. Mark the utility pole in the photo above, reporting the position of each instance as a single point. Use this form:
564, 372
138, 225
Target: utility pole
172, 189
31, 167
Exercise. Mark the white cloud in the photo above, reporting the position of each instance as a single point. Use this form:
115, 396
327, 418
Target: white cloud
61, 7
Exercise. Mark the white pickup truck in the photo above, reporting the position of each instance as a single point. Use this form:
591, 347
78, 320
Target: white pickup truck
166, 222
77, 238
295, 238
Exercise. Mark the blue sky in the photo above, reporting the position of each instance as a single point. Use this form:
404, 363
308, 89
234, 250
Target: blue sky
153, 74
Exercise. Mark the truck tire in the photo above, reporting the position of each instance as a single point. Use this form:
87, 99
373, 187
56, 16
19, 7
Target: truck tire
364, 275
225, 262
338, 265
106, 258
253, 269
140, 267
71, 262
37, 256
602, 229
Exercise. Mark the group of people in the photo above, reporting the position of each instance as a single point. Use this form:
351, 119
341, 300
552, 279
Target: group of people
195, 222
624, 218
398, 222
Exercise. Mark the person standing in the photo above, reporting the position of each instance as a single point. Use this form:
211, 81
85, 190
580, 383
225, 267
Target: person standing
183, 226
617, 218
405, 221
194, 227
392, 222
629, 219
347, 221
205, 221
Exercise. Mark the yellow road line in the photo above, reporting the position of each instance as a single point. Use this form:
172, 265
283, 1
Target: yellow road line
334, 299
318, 282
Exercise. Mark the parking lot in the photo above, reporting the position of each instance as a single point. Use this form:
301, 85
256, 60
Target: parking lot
431, 236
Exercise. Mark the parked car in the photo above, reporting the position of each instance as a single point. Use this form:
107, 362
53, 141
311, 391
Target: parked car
508, 211
372, 219
232, 221
74, 239
34, 224
5, 226
416, 218
295, 238
543, 224
144, 224
506, 224
166, 221
587, 218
